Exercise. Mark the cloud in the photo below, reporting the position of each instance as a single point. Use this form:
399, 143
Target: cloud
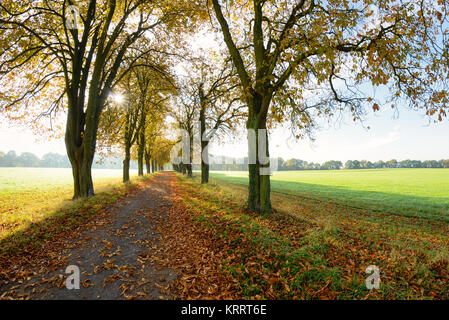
393, 136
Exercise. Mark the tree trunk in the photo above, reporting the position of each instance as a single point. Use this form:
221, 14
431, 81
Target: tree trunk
86, 184
253, 168
183, 168
141, 144
80, 145
204, 172
190, 165
265, 187
204, 162
189, 170
259, 184
204, 146
140, 155
147, 162
126, 164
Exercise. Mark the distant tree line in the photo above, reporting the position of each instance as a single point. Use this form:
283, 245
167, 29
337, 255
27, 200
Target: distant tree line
296, 164
217, 163
364, 164
54, 160
241, 164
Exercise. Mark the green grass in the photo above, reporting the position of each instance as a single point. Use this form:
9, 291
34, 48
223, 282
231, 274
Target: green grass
17, 180
409, 192
327, 227
31, 197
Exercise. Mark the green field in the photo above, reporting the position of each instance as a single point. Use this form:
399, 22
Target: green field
326, 228
18, 180
34, 196
409, 192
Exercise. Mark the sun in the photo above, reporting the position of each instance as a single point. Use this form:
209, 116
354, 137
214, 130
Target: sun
118, 98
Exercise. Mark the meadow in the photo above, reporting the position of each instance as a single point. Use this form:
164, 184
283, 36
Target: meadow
25, 180
408, 192
326, 228
33, 197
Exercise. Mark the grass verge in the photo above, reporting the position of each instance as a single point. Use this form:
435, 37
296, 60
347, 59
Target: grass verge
315, 249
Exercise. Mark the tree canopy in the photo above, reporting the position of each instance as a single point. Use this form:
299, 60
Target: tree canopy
275, 62
303, 59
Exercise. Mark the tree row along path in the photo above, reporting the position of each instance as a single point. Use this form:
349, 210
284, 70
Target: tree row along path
145, 246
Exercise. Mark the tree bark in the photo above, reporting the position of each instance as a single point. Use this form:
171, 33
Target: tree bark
204, 143
140, 155
147, 162
141, 142
80, 145
183, 168
265, 186
126, 163
253, 168
189, 170
190, 165
204, 162
259, 185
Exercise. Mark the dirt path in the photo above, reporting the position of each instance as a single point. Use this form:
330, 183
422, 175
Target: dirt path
113, 258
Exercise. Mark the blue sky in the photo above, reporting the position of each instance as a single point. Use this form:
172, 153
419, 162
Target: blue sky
405, 136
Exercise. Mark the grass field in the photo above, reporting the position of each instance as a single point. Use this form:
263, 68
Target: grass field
18, 180
32, 197
408, 192
327, 228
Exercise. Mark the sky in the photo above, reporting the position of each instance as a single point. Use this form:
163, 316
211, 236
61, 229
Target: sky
402, 134
408, 135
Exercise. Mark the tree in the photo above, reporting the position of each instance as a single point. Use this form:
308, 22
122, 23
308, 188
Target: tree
349, 164
446, 163
217, 111
77, 63
416, 164
10, 159
283, 49
139, 108
28, 159
331, 165
405, 164
365, 164
379, 164
161, 152
54, 160
186, 114
391, 163
153, 95
153, 131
